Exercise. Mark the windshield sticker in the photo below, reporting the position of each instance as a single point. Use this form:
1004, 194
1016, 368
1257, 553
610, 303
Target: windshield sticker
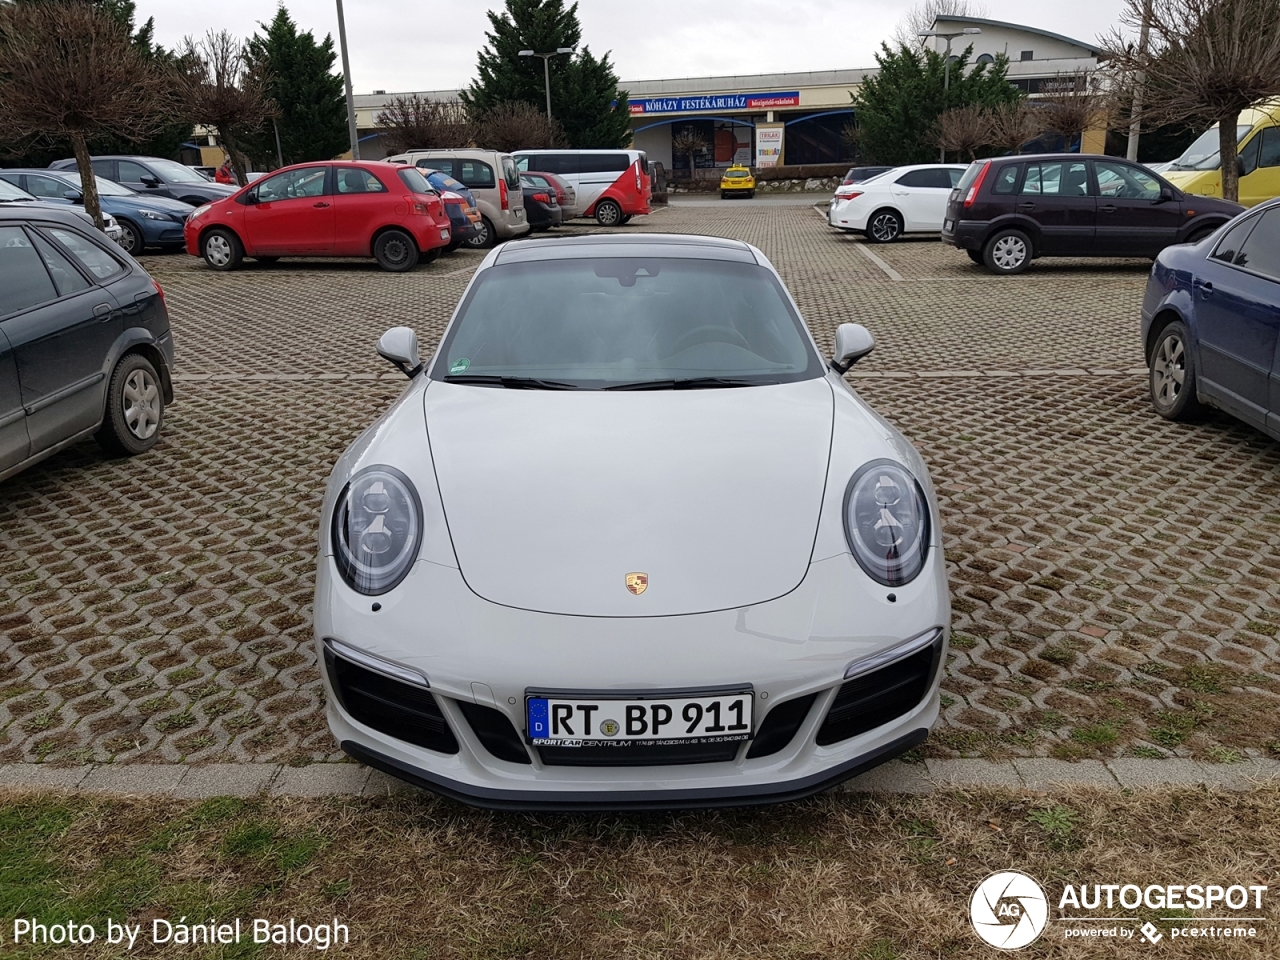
460, 365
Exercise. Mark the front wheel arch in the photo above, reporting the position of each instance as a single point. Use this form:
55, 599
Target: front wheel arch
220, 226
1161, 320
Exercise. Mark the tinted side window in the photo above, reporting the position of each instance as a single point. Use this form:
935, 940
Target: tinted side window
560, 163
97, 261
475, 173
1006, 181
602, 163
1270, 154
1230, 243
1260, 251
914, 178
65, 277
134, 172
101, 168
356, 180
48, 187
24, 282
306, 182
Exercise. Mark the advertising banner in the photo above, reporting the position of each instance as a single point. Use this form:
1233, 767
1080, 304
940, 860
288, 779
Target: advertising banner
768, 144
719, 101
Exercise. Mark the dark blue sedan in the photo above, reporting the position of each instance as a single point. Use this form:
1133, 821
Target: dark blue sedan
1211, 323
146, 221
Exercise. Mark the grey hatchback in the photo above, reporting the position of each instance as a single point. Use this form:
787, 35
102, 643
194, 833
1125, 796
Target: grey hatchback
85, 346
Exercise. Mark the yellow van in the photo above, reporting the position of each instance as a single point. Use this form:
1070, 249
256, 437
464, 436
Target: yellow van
1199, 170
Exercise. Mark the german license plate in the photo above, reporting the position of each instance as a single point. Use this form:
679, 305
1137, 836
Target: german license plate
719, 718
948, 224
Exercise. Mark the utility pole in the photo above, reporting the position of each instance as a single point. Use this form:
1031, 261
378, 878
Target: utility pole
346, 75
546, 67
1135, 123
946, 70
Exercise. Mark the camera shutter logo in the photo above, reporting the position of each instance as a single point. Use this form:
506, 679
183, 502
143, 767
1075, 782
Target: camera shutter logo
1009, 910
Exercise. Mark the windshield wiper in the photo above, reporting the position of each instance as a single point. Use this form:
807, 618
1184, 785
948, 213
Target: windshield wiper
511, 383
688, 383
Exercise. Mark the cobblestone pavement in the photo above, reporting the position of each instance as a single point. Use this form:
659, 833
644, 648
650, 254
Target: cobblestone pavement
1114, 576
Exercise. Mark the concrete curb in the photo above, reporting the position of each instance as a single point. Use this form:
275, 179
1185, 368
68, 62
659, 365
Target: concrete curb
352, 780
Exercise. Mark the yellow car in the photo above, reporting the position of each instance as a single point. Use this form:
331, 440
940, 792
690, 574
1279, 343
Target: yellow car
1199, 170
737, 179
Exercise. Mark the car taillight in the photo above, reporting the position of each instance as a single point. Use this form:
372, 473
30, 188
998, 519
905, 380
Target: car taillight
450, 197
542, 198
849, 196
977, 185
160, 290
637, 165
502, 193
416, 205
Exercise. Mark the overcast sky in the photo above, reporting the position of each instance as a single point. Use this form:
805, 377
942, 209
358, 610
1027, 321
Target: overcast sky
402, 45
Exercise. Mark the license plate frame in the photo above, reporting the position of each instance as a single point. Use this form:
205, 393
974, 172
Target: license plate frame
588, 727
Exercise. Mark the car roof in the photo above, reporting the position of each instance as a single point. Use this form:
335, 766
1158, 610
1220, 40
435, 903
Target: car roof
671, 245
54, 212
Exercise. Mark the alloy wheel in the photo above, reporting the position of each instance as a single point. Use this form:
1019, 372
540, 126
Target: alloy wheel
1009, 253
217, 250
885, 227
1169, 371
608, 214
130, 241
141, 404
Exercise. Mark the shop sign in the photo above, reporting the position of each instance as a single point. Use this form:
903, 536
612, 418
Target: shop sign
718, 101
768, 144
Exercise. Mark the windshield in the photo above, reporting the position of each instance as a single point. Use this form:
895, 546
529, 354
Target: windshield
177, 172
1203, 154
9, 192
106, 188
597, 323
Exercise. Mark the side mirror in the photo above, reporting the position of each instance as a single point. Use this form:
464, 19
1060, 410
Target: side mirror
400, 346
75, 196
150, 182
1166, 194
1241, 172
853, 342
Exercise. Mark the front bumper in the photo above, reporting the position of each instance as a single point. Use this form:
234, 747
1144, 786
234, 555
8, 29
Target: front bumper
477, 653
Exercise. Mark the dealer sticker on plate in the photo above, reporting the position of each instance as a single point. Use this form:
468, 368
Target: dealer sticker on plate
570, 722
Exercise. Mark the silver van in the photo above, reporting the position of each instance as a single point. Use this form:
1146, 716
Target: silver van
492, 178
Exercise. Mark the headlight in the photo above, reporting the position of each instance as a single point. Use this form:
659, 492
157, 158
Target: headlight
886, 521
152, 215
200, 211
377, 529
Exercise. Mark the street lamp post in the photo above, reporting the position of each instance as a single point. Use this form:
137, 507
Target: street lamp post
946, 70
346, 75
546, 67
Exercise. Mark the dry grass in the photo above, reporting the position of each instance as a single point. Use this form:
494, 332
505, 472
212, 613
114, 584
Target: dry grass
839, 876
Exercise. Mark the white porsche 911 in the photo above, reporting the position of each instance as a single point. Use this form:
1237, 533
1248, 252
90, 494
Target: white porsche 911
627, 541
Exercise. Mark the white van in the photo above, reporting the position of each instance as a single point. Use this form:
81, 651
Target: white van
612, 185
492, 179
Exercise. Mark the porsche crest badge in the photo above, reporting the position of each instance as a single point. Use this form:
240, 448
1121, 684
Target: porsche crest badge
637, 583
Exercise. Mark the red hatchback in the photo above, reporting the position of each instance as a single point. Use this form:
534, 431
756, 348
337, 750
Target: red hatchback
331, 209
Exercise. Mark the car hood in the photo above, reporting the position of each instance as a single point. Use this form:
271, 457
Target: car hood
158, 204
553, 497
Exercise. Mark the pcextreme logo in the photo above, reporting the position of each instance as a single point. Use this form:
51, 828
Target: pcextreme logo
1009, 910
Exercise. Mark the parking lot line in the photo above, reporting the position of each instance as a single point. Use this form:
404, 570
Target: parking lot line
891, 273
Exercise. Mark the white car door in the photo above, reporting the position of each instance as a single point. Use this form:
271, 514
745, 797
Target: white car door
922, 197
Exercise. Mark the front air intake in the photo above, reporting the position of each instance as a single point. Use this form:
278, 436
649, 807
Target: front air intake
874, 699
401, 710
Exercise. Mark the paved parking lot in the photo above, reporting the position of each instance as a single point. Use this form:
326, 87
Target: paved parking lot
1114, 576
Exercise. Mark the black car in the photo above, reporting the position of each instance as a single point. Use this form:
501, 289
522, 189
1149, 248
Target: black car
859, 174
540, 205
1008, 211
155, 176
85, 347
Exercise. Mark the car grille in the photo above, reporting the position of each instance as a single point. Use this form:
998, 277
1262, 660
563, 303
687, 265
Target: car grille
494, 730
624, 754
399, 710
869, 701
780, 726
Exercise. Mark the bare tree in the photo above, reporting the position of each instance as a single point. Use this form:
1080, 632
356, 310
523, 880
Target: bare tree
517, 125
1072, 103
1210, 59
220, 87
1014, 124
411, 123
921, 17
688, 142
70, 72
964, 130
